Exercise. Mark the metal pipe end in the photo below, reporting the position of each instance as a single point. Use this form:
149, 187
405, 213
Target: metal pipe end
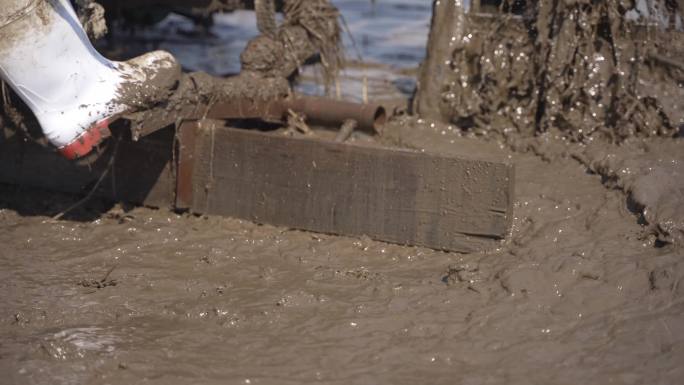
379, 119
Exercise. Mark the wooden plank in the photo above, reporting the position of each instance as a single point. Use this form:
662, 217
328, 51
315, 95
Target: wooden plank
142, 172
393, 195
186, 162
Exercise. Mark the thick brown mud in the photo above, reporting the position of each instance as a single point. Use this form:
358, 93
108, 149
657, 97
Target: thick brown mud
582, 69
586, 289
578, 294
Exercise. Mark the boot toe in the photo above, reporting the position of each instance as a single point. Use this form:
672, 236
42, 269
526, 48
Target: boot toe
148, 79
87, 141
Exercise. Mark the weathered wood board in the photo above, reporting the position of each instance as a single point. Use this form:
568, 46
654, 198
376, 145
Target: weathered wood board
393, 195
388, 194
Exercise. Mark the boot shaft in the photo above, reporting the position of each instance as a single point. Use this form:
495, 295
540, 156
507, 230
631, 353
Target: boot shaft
48, 60
46, 57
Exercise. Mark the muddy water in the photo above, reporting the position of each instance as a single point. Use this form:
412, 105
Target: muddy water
579, 294
586, 290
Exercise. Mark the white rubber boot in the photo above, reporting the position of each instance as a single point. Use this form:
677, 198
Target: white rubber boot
74, 92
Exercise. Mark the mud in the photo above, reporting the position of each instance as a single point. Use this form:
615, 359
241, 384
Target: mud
92, 18
587, 288
577, 68
195, 92
650, 173
14, 10
147, 84
19, 16
309, 27
579, 294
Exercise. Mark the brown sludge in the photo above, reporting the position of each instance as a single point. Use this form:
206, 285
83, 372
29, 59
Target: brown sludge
586, 290
578, 68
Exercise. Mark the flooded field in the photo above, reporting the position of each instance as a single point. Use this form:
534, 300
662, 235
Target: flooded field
587, 289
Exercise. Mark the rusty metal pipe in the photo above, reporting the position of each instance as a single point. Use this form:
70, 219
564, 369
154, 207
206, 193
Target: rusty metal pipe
329, 112
317, 110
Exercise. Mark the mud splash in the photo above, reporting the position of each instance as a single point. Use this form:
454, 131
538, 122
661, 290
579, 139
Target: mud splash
582, 69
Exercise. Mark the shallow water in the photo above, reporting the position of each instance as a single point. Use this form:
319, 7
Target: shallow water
579, 293
389, 36
393, 32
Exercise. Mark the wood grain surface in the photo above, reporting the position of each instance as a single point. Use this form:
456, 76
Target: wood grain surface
394, 195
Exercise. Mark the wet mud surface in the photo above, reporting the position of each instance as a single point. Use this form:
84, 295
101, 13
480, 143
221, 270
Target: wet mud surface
579, 294
581, 69
586, 289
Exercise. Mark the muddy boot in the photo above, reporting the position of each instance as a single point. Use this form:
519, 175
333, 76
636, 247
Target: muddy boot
74, 92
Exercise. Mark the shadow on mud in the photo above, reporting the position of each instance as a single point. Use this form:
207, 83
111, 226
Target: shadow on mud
29, 201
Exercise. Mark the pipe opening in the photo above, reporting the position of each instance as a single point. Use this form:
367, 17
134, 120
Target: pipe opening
379, 119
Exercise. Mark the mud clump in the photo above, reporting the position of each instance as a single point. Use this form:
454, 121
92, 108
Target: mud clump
583, 69
309, 27
652, 175
92, 17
